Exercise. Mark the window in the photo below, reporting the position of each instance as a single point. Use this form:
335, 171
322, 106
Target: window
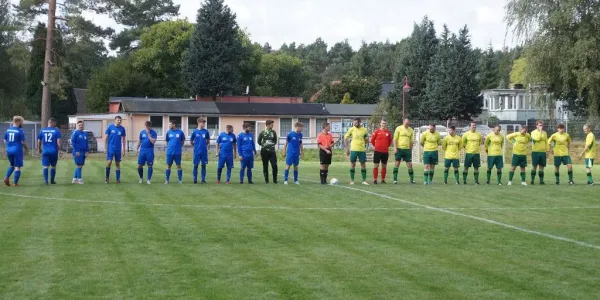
319, 125
192, 124
176, 119
522, 102
285, 126
509, 103
306, 129
157, 124
485, 102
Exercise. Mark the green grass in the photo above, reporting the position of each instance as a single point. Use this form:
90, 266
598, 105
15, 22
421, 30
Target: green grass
133, 241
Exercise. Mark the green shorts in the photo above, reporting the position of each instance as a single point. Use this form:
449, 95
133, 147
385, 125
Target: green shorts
430, 158
589, 163
472, 160
361, 156
495, 161
565, 160
538, 159
451, 163
519, 161
404, 155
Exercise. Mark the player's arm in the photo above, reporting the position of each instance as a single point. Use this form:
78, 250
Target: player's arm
254, 148
373, 138
486, 144
464, 141
182, 138
285, 146
239, 149
261, 138
422, 142
152, 136
301, 150
568, 142
444, 144
39, 142
139, 143
346, 137
395, 140
276, 139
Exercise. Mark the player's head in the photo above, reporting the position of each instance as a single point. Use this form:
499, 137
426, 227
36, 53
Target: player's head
173, 125
560, 128
52, 122
118, 120
269, 124
587, 128
79, 125
523, 130
247, 126
406, 122
357, 122
201, 122
432, 128
326, 127
148, 125
452, 130
473, 127
539, 125
18, 121
383, 124
299, 127
229, 129
497, 129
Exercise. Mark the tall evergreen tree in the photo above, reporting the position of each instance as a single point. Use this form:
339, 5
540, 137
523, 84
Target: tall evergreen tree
440, 79
211, 66
35, 74
489, 78
466, 102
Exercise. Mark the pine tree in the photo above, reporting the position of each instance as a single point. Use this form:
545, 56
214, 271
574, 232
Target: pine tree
489, 70
211, 66
35, 73
466, 101
439, 91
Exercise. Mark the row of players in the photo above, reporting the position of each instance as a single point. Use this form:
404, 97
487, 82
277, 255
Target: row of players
228, 147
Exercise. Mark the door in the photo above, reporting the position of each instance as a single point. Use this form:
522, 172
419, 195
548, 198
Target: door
260, 126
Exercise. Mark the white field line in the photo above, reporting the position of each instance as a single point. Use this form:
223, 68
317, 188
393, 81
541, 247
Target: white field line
489, 221
293, 208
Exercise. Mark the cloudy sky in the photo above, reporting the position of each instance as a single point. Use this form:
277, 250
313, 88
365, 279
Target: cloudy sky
302, 21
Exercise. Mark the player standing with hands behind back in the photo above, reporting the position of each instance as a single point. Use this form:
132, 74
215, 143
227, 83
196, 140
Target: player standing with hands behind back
79, 143
267, 140
325, 141
247, 151
114, 147
381, 140
357, 150
175, 140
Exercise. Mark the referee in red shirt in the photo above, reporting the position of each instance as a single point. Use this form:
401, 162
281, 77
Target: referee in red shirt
381, 140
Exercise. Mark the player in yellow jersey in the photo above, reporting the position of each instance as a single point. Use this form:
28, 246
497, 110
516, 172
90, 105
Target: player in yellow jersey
494, 144
451, 145
589, 152
560, 143
358, 149
430, 140
520, 140
404, 137
539, 148
471, 141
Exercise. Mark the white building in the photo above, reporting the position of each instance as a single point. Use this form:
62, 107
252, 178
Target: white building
516, 105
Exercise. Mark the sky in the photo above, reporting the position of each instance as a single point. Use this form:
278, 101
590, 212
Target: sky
303, 21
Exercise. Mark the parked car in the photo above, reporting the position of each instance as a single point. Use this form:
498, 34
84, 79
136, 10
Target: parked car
439, 128
92, 142
483, 129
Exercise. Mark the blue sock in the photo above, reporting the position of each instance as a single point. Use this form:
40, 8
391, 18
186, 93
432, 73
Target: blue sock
76, 173
180, 174
9, 171
52, 174
150, 171
118, 174
249, 174
17, 176
168, 174
45, 175
107, 173
203, 172
241, 175
295, 175
286, 174
195, 172
228, 174
80, 170
141, 172
219, 171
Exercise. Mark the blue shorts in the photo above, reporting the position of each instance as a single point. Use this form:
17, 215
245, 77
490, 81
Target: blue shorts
200, 158
113, 155
292, 160
248, 162
225, 160
49, 159
146, 157
79, 160
15, 160
173, 158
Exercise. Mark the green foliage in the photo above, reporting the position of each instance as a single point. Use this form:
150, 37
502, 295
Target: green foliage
347, 99
363, 90
518, 73
250, 63
489, 75
212, 63
35, 74
281, 75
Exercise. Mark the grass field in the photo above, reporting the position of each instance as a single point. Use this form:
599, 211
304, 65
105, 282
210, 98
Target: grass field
132, 241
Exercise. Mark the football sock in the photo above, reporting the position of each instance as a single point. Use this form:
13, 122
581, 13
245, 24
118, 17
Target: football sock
375, 173
9, 171
286, 175
383, 173
228, 174
533, 176
195, 172
465, 173
570, 175
203, 172
295, 175
395, 172
118, 174
76, 173
180, 175
476, 173
456, 175
557, 175
167, 174
446, 172
249, 174
431, 175
52, 174
46, 175
352, 171
150, 171
241, 175
17, 176
141, 173
219, 172
107, 173
511, 174
489, 175
363, 174
411, 175
541, 175
426, 176
589, 177
499, 173
523, 176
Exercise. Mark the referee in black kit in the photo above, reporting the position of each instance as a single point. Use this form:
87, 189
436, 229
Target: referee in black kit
267, 140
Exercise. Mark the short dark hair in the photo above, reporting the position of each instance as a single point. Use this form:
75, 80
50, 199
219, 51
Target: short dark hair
80, 121
298, 124
148, 123
118, 117
52, 120
174, 123
538, 122
201, 120
452, 127
432, 124
325, 125
247, 125
269, 122
357, 119
561, 126
472, 122
229, 127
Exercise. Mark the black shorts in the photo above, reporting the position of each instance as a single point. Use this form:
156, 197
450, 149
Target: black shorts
381, 157
325, 158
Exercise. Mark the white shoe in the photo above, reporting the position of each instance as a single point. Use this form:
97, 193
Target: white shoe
395, 182
141, 181
510, 183
166, 182
181, 182
148, 182
80, 181
74, 180
285, 183
351, 182
523, 183
296, 183
425, 183
365, 183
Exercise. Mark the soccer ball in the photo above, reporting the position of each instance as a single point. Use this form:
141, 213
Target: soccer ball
333, 181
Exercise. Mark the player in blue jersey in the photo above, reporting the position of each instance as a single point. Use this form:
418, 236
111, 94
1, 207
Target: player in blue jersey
293, 151
226, 151
175, 140
14, 138
79, 143
114, 147
145, 151
247, 151
200, 139
49, 147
